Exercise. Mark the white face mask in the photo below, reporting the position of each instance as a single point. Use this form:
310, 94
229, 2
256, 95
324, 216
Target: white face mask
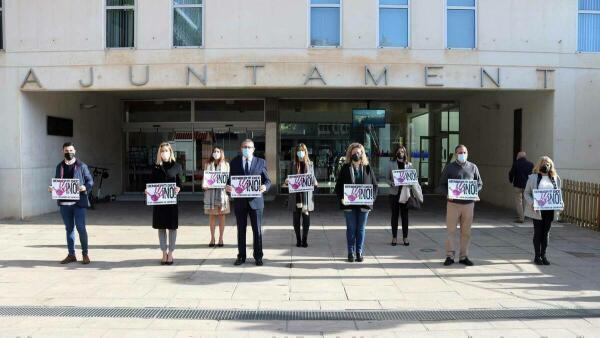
216, 156
300, 154
462, 158
165, 156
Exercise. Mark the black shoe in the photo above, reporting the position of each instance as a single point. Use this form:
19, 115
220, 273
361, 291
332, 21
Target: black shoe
545, 261
405, 241
259, 262
239, 261
298, 243
359, 258
350, 258
220, 245
394, 242
304, 244
449, 261
466, 261
211, 244
538, 261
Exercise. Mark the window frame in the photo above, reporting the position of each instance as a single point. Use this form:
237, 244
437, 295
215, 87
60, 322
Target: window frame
135, 24
308, 26
172, 23
579, 12
474, 8
408, 40
2, 30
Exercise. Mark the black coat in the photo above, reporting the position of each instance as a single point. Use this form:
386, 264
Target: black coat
520, 171
344, 177
166, 216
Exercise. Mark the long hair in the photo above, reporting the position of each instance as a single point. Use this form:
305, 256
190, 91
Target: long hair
538, 165
220, 160
398, 147
164, 145
364, 160
297, 160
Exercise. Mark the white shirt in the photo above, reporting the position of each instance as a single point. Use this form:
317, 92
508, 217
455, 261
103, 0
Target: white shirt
247, 160
545, 183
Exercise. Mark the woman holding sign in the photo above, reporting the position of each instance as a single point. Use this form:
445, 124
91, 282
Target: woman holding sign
166, 217
301, 202
541, 206
403, 183
216, 200
356, 188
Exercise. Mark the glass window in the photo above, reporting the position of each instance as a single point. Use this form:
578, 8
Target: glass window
325, 23
393, 23
229, 110
187, 23
159, 111
589, 26
120, 23
461, 24
1, 26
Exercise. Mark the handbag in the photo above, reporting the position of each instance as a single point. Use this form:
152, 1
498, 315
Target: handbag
413, 203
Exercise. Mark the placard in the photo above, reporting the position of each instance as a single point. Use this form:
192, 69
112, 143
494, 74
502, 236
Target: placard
161, 193
301, 183
358, 194
245, 186
467, 190
405, 177
215, 179
65, 189
547, 199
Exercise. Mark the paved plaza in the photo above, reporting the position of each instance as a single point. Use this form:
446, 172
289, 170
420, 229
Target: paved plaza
298, 290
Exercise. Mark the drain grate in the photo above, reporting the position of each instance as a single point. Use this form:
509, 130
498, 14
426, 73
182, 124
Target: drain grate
264, 315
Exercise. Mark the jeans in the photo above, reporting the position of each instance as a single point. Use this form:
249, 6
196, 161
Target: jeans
74, 215
356, 220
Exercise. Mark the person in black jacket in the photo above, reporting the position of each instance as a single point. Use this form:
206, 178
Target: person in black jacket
518, 174
356, 170
166, 217
73, 212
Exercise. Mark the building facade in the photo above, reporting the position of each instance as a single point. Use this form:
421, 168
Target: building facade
117, 77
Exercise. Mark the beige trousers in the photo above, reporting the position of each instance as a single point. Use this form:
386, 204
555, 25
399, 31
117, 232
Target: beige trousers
519, 203
455, 214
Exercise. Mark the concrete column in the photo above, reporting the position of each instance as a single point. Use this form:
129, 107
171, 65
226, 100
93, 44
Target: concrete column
272, 140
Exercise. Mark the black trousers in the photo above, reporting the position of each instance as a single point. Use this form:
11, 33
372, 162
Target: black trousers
399, 209
242, 211
298, 214
541, 229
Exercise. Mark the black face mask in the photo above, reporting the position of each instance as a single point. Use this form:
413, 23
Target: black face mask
69, 156
400, 157
545, 169
356, 157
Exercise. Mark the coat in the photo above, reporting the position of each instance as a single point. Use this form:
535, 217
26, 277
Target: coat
309, 195
405, 193
519, 173
82, 173
345, 177
532, 183
166, 216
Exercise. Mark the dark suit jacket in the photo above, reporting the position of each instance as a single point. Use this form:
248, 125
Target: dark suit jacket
520, 171
257, 167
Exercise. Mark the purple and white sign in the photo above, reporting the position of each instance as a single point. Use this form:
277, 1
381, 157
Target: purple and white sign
405, 177
359, 194
161, 194
463, 190
245, 186
215, 179
65, 189
300, 183
547, 199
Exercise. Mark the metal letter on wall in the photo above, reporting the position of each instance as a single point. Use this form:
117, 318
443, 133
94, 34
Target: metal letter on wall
139, 83
368, 75
31, 78
546, 71
311, 76
201, 78
91, 82
429, 76
495, 81
254, 66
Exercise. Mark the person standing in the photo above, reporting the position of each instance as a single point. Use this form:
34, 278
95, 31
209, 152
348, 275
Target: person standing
518, 174
248, 164
459, 211
166, 217
73, 212
544, 176
216, 201
355, 170
399, 195
302, 203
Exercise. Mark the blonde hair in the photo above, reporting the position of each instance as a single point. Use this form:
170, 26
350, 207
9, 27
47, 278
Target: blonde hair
538, 165
167, 145
364, 160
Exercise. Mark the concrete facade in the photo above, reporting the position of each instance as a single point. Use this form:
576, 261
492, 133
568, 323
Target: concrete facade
62, 40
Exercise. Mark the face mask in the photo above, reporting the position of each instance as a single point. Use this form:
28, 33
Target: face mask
545, 169
300, 154
69, 156
462, 158
356, 157
246, 152
165, 156
400, 156
216, 156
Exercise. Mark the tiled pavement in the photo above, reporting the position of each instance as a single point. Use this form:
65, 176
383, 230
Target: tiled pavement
125, 273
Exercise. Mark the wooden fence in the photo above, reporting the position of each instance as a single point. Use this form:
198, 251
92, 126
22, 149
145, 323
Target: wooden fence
582, 203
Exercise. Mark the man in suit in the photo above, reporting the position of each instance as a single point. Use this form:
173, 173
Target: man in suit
248, 164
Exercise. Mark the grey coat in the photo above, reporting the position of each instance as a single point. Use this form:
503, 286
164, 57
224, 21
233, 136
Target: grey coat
309, 195
528, 197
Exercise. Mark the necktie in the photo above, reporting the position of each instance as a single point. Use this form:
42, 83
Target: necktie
246, 169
